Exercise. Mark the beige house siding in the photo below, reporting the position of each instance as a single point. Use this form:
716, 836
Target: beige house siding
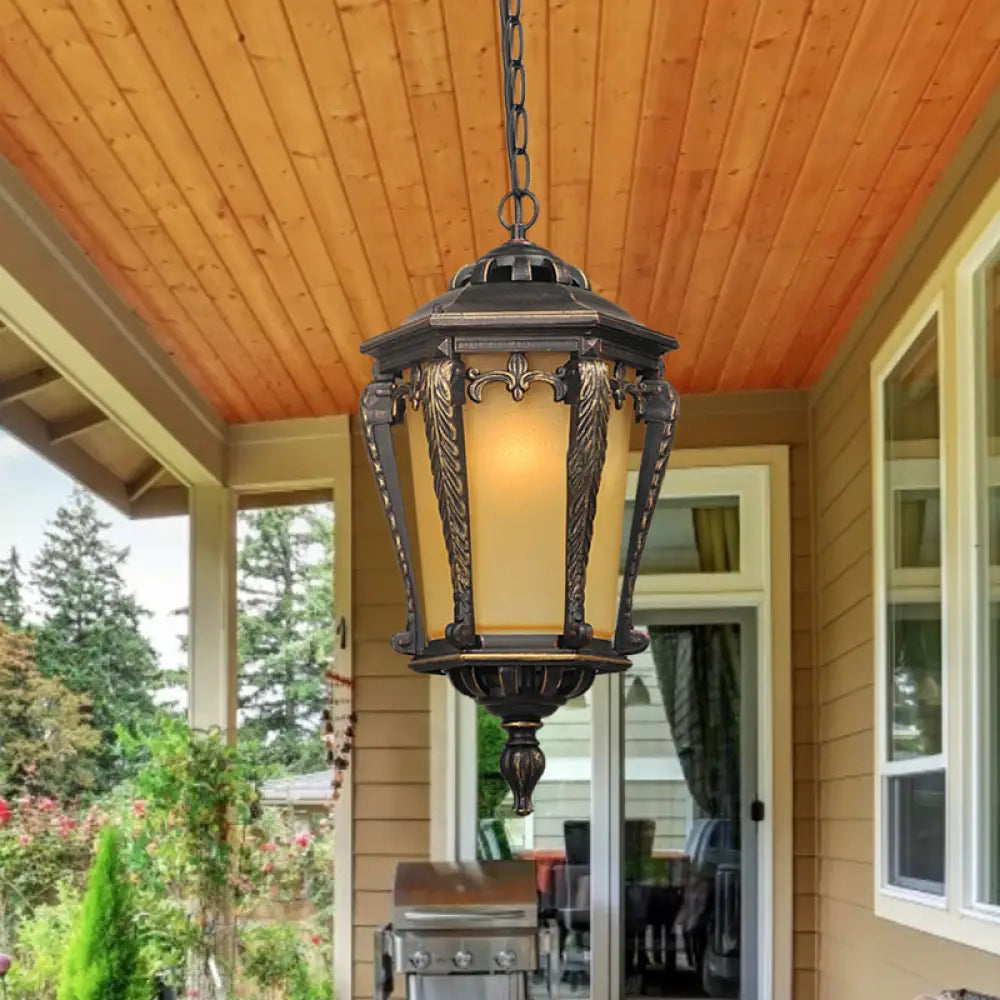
861, 956
390, 768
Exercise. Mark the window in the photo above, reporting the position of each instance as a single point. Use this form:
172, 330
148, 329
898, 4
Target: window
936, 512
912, 758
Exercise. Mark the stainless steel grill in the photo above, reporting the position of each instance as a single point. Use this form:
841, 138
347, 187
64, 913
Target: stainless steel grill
467, 931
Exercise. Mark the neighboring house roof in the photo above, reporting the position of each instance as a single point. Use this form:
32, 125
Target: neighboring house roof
303, 790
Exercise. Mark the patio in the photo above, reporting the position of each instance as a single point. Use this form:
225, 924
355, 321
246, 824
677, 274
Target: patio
206, 208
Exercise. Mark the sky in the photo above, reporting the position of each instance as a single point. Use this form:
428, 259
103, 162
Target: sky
157, 567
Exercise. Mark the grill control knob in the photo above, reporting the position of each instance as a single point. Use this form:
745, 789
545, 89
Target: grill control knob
463, 960
506, 959
420, 960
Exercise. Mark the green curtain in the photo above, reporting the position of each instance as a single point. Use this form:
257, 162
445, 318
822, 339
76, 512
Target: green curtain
697, 667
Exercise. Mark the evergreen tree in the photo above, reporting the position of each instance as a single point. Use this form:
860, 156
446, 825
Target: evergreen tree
285, 631
46, 741
11, 597
104, 960
90, 636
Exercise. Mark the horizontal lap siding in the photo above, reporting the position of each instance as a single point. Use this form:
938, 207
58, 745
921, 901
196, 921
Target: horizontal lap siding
859, 956
391, 762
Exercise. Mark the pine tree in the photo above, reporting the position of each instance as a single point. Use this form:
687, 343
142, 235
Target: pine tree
12, 610
104, 959
46, 742
90, 635
285, 632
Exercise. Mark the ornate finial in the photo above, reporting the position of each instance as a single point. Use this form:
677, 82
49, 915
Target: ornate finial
522, 762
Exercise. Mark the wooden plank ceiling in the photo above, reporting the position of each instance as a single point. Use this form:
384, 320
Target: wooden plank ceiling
267, 182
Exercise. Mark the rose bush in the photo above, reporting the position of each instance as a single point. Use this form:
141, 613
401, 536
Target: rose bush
43, 844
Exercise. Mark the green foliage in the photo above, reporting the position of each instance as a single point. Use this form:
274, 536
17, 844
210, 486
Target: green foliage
181, 810
46, 741
103, 958
279, 963
285, 631
41, 947
491, 739
12, 610
90, 636
203, 854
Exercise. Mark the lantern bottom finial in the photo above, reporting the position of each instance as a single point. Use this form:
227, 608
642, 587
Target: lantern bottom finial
522, 762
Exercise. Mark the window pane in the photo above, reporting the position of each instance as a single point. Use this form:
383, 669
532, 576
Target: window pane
915, 638
988, 681
916, 831
688, 536
913, 550
686, 871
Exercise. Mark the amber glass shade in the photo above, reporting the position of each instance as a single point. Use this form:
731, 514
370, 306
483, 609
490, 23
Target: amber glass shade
516, 466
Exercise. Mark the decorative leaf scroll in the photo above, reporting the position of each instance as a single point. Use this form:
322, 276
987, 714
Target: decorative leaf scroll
590, 392
660, 414
379, 407
517, 378
441, 389
621, 388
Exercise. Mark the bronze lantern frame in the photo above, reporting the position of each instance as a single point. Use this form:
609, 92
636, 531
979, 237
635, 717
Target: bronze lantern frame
518, 299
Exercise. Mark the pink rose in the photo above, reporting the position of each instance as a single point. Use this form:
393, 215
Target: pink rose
302, 839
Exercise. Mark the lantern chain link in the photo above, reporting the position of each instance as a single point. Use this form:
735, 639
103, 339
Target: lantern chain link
514, 85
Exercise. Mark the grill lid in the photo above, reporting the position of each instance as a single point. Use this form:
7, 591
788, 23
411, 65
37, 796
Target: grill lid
441, 896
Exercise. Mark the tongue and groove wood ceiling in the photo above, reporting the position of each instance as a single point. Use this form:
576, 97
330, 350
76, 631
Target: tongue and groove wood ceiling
267, 183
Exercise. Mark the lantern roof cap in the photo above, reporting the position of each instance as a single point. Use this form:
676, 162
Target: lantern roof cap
521, 292
519, 261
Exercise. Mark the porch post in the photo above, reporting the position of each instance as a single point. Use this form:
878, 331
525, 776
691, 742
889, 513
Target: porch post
212, 673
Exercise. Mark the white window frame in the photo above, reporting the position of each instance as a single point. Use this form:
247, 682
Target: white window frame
905, 586
953, 295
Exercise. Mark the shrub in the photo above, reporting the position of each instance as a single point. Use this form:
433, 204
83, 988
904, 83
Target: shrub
103, 959
41, 947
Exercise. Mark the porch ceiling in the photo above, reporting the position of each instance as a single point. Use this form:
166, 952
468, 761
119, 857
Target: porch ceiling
268, 183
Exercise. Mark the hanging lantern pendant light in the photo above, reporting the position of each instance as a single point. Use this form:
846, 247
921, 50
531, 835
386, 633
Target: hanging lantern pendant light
514, 390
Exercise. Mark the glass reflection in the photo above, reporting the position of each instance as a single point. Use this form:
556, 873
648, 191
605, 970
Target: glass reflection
682, 837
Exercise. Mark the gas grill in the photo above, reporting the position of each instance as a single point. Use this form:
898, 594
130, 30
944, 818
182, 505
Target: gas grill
465, 931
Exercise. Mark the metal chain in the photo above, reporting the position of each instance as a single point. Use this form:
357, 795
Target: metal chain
514, 87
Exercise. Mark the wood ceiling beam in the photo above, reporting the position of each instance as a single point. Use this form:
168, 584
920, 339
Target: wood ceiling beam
31, 430
55, 300
21, 386
71, 427
145, 481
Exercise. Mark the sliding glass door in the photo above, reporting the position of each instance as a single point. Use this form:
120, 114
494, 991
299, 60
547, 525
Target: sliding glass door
688, 843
